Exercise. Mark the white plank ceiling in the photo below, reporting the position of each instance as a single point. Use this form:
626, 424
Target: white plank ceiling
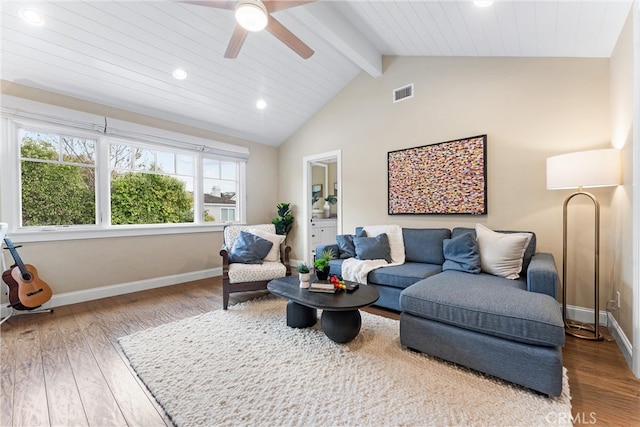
122, 53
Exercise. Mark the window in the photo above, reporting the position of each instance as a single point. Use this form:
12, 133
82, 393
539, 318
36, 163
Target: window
227, 214
150, 186
57, 179
70, 179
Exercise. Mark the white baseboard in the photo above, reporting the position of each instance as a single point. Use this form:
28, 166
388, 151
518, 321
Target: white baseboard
67, 298
605, 318
621, 339
585, 315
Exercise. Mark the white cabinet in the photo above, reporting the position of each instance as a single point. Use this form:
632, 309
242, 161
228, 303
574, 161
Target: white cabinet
323, 231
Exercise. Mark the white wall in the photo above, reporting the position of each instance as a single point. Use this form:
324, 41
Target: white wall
530, 108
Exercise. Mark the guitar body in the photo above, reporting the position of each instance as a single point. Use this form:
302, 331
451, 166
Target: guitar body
14, 300
32, 291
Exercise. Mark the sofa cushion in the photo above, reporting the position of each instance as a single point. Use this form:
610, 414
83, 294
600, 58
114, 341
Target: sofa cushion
461, 253
528, 253
401, 276
501, 254
373, 247
424, 244
346, 247
487, 304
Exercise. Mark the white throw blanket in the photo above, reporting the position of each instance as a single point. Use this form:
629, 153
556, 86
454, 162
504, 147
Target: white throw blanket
356, 270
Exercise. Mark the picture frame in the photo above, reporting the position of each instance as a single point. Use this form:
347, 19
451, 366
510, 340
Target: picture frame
316, 191
446, 178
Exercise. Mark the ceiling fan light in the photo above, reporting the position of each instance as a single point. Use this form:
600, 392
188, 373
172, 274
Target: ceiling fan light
252, 15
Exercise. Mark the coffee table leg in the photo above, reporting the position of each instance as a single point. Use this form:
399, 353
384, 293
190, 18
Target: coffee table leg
341, 326
300, 316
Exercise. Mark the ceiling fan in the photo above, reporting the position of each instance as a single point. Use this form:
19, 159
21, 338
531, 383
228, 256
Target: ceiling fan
255, 15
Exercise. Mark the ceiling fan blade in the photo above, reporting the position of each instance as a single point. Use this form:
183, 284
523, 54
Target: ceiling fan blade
287, 37
276, 5
235, 43
218, 4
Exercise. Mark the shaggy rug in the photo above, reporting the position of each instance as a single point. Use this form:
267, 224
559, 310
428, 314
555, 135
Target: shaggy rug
244, 366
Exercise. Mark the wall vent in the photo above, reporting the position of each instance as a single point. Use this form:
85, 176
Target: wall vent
402, 93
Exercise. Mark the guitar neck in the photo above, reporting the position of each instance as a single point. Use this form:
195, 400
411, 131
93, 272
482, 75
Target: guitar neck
16, 257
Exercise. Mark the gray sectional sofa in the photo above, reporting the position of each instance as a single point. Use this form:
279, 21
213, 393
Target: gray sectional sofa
511, 329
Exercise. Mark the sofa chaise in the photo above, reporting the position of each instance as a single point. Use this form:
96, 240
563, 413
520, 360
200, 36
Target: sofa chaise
511, 328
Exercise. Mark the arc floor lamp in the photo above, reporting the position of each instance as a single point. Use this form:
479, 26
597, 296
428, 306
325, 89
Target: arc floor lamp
584, 169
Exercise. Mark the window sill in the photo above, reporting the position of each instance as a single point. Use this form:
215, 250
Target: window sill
50, 234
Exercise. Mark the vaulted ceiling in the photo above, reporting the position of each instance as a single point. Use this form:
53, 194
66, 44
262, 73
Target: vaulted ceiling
122, 53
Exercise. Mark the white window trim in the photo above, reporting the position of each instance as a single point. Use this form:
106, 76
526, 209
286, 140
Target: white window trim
18, 112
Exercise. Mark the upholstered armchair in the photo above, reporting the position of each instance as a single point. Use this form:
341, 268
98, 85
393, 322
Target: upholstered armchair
244, 277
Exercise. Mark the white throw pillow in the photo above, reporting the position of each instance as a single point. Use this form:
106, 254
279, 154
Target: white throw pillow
501, 254
276, 239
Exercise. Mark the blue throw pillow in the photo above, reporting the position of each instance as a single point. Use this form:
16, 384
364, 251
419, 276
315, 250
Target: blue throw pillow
249, 249
373, 247
346, 247
461, 254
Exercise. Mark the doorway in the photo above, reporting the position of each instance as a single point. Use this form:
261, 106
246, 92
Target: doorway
322, 184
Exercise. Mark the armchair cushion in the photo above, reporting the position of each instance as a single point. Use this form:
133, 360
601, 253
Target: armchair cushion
249, 249
240, 273
231, 232
274, 253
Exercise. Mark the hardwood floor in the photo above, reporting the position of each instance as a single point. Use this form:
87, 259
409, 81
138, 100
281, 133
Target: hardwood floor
66, 368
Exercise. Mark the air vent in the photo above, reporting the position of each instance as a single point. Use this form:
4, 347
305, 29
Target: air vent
403, 93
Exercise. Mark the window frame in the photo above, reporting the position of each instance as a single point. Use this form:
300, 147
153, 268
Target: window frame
157, 139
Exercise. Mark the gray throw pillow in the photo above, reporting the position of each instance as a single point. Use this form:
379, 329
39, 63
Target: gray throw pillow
249, 249
462, 254
346, 247
373, 247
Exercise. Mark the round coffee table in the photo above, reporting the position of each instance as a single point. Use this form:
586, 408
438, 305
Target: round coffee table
341, 318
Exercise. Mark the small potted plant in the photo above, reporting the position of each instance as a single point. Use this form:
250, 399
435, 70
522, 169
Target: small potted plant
322, 265
303, 275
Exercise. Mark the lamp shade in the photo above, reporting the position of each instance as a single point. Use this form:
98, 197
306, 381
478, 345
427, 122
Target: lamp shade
594, 168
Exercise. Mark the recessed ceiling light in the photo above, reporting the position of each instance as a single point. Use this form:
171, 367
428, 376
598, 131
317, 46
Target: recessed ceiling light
31, 16
483, 3
179, 74
261, 104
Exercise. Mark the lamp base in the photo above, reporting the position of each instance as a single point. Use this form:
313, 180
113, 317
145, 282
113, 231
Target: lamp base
585, 331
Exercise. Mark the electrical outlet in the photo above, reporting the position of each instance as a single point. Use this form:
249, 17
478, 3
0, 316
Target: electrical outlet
618, 299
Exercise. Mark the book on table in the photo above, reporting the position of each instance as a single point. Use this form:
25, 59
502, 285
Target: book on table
322, 287
324, 291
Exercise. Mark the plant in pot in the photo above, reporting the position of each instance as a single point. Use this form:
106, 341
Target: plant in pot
322, 265
284, 220
303, 275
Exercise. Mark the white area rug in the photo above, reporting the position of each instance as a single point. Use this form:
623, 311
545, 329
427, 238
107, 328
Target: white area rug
244, 366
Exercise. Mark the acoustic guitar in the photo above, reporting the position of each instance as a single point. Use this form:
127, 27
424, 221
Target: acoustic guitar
32, 291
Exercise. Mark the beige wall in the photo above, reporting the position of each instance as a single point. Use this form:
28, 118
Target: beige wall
84, 264
530, 109
621, 278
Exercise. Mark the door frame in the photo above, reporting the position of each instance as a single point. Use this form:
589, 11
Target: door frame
307, 163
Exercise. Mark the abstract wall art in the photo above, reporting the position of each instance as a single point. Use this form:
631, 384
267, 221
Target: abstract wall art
446, 178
